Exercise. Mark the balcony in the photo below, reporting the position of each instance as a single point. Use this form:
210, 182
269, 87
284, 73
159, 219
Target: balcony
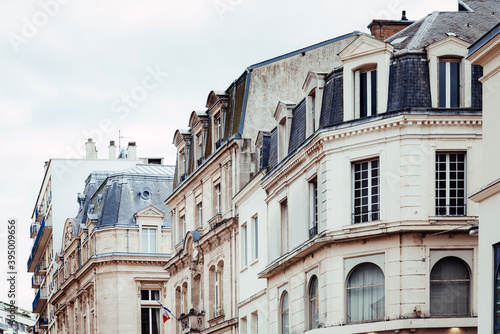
43, 321
36, 280
39, 213
41, 268
40, 301
451, 210
192, 322
41, 239
313, 230
35, 226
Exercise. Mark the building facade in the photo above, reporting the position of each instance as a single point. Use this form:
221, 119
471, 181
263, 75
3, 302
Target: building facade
486, 52
63, 179
15, 320
109, 276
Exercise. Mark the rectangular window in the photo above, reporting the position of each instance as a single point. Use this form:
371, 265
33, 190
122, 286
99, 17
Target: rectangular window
217, 199
450, 184
255, 323
255, 234
313, 208
366, 92
243, 326
148, 240
150, 316
449, 83
244, 246
366, 201
200, 214
284, 227
183, 218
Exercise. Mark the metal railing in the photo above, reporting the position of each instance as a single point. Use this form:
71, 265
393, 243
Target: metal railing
366, 216
451, 210
313, 230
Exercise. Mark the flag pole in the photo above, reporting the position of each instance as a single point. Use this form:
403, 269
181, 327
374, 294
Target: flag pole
168, 310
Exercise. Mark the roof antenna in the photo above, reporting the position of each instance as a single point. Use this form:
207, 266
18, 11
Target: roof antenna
403, 16
120, 140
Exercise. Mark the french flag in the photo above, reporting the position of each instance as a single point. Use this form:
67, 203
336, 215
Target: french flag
165, 313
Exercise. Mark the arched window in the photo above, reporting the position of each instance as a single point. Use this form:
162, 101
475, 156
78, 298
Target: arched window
313, 303
450, 288
284, 313
365, 293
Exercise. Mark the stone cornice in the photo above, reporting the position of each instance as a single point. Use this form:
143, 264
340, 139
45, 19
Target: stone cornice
355, 232
485, 193
324, 137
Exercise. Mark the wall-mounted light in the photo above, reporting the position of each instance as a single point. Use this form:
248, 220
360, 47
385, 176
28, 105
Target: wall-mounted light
474, 230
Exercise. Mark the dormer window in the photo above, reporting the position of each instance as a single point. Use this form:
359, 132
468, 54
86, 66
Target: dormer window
283, 115
313, 89
449, 82
365, 81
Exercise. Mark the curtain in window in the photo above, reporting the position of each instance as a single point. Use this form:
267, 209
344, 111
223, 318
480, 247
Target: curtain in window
284, 314
366, 293
314, 304
450, 288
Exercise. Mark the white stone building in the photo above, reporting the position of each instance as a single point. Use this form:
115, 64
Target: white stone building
15, 320
486, 52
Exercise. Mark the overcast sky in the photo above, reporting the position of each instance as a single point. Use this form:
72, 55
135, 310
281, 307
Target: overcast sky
68, 66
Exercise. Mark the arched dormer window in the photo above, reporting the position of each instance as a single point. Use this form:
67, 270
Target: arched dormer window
217, 103
199, 122
182, 141
450, 73
283, 116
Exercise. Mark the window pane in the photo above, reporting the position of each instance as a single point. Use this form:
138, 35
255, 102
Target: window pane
145, 328
363, 98
442, 84
374, 92
144, 294
152, 240
450, 287
314, 304
454, 84
366, 293
284, 314
145, 245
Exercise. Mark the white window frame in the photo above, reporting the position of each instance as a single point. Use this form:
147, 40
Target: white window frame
148, 230
244, 245
255, 235
448, 181
359, 90
371, 215
313, 207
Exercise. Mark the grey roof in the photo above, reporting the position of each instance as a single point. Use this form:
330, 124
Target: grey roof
465, 25
484, 39
150, 169
124, 194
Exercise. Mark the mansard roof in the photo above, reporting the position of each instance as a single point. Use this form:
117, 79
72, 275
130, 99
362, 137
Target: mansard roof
124, 194
197, 116
468, 24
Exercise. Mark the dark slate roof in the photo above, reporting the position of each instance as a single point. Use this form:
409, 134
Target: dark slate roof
298, 128
484, 39
465, 25
124, 194
273, 149
93, 182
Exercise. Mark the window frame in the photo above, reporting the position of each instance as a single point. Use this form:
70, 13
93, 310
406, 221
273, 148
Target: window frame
284, 227
149, 229
366, 91
449, 82
313, 323
284, 312
255, 235
244, 245
313, 207
371, 286
371, 215
153, 308
469, 280
448, 188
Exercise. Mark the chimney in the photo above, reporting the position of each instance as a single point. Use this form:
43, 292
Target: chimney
90, 150
383, 29
112, 150
131, 151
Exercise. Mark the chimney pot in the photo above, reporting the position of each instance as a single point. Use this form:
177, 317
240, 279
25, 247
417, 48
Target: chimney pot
403, 16
112, 150
90, 149
132, 151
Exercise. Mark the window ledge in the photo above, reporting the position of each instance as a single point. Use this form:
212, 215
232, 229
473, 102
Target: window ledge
244, 269
449, 219
254, 262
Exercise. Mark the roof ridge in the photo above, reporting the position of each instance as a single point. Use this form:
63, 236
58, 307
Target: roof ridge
422, 30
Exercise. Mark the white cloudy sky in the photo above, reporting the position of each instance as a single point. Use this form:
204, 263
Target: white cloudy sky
63, 78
